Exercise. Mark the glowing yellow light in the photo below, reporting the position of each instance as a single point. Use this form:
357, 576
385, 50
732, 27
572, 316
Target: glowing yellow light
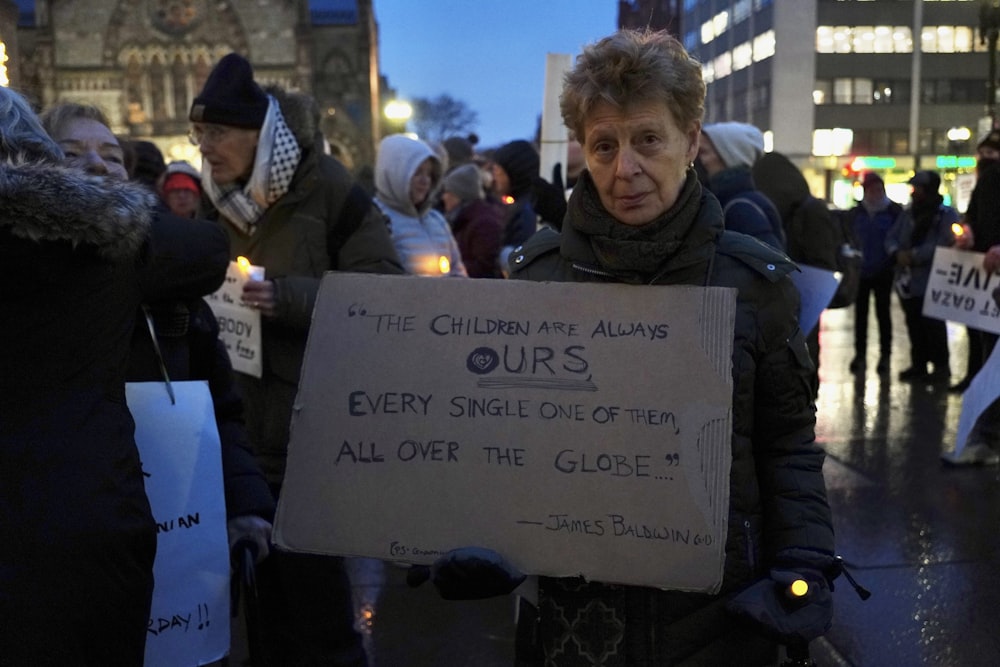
444, 264
957, 229
799, 588
507, 199
4, 80
243, 263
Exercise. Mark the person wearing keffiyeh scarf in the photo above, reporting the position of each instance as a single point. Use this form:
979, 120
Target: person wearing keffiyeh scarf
290, 208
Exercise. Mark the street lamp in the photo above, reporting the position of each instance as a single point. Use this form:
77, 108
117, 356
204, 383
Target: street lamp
397, 112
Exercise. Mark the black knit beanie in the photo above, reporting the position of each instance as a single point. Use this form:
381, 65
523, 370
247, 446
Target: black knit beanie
230, 96
520, 160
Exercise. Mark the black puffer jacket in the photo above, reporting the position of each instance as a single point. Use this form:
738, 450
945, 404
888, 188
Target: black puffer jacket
78, 254
777, 492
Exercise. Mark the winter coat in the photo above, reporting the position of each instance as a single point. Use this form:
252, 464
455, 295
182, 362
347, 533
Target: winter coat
519, 223
324, 222
983, 212
777, 492
478, 228
420, 234
187, 334
811, 230
745, 209
871, 229
921, 228
78, 254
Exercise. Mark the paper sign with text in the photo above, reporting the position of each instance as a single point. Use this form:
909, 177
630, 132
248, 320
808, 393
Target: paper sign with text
181, 460
575, 429
960, 290
239, 323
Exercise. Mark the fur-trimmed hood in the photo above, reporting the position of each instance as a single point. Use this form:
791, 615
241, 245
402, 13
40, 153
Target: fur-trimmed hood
47, 202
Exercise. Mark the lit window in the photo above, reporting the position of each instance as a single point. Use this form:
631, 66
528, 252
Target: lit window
707, 33
837, 141
708, 72
824, 39
742, 56
720, 22
763, 46
723, 65
863, 39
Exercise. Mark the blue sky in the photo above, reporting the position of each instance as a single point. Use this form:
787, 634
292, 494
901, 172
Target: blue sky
488, 54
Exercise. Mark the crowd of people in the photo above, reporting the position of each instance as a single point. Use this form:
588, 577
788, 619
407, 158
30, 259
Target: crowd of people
656, 198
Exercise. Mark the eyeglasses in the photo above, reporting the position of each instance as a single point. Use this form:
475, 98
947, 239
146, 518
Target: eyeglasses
207, 133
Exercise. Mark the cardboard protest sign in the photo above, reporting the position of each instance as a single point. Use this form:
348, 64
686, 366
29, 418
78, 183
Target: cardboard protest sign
816, 288
575, 429
239, 323
179, 448
960, 290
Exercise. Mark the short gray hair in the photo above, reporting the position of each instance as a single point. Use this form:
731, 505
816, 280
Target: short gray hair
21, 133
630, 67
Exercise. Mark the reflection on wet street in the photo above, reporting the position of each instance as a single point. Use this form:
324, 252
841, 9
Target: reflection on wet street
922, 536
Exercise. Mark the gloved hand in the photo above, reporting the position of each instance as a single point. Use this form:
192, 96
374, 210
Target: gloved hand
775, 611
468, 573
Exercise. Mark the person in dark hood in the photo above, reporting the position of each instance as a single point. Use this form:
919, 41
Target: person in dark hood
515, 168
810, 228
923, 226
78, 254
288, 207
982, 224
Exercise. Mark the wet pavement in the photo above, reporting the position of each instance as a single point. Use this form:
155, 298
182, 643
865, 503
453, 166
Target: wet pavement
921, 536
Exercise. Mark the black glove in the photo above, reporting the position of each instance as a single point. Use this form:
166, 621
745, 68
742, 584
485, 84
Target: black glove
469, 573
779, 612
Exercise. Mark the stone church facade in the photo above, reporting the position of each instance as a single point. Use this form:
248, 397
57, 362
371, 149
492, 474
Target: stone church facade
143, 61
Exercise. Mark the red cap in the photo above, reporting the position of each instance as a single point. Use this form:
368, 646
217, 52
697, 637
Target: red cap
180, 181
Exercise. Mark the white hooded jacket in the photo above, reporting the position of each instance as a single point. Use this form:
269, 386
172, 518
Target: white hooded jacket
421, 235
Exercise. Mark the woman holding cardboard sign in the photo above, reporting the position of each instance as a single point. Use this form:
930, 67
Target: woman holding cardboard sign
638, 215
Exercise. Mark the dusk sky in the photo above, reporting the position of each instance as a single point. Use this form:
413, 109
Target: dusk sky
490, 55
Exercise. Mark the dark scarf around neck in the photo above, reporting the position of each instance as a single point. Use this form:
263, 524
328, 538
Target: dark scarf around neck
625, 248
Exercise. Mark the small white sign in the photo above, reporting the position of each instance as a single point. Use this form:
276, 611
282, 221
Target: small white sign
960, 290
239, 323
179, 448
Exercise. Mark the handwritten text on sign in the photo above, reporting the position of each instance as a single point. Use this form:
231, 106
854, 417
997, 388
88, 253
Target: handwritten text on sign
239, 323
960, 290
575, 429
179, 446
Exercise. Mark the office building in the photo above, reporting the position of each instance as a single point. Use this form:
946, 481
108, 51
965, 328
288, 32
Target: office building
848, 86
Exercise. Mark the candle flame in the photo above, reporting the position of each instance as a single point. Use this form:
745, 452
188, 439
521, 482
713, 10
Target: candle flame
957, 229
243, 263
444, 264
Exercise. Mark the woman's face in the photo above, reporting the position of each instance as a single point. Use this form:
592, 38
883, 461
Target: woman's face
638, 159
229, 150
90, 146
420, 183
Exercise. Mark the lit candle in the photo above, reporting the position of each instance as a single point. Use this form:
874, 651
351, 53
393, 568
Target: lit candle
957, 229
248, 270
444, 264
